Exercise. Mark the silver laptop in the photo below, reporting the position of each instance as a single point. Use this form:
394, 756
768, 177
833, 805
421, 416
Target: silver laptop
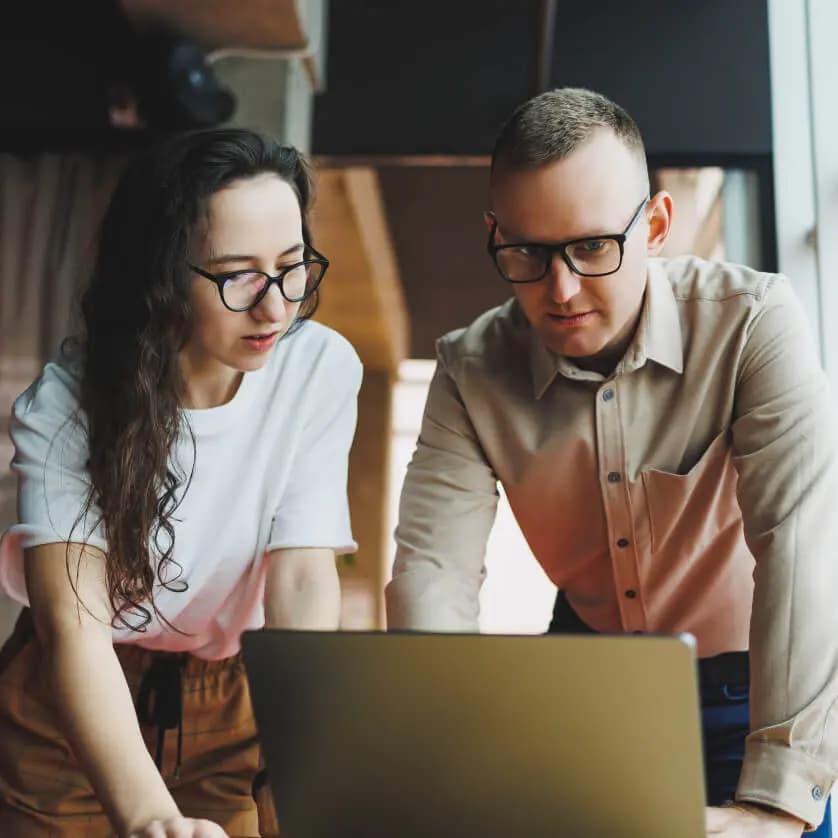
374, 735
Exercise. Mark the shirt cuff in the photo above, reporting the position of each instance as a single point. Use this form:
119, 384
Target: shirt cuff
785, 778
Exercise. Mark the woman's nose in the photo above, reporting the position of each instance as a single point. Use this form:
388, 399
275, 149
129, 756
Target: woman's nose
272, 307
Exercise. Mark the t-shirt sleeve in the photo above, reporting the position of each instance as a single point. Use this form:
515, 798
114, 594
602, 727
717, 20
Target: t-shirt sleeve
314, 508
50, 462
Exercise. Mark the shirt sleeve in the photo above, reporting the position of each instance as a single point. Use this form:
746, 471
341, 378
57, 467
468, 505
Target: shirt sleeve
448, 504
314, 508
50, 462
786, 452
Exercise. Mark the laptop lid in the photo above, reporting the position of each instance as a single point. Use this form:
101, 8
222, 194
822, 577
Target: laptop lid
407, 735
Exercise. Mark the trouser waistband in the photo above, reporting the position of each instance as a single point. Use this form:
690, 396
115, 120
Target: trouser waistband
727, 669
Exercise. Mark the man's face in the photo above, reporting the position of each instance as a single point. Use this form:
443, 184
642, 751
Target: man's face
592, 192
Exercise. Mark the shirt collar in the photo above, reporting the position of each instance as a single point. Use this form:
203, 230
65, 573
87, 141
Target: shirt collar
659, 334
658, 338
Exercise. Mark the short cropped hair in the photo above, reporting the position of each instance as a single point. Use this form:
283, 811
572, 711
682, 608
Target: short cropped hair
553, 124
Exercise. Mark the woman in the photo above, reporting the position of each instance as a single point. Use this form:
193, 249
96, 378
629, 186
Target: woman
182, 477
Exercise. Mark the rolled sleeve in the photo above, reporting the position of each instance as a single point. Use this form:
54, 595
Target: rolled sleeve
50, 462
786, 452
447, 508
314, 508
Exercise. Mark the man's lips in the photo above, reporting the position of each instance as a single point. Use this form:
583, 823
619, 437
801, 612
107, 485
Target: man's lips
571, 317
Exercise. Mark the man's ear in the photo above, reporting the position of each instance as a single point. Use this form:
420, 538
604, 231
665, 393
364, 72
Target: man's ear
659, 213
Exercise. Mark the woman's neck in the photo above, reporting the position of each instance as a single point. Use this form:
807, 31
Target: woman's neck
208, 386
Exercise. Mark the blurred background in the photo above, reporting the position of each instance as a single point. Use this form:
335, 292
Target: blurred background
398, 103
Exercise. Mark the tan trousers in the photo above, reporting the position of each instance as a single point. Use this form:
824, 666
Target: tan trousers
44, 793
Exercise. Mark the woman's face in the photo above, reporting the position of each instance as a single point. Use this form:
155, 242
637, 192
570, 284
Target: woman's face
253, 223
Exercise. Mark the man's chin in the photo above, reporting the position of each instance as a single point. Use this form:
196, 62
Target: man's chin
571, 349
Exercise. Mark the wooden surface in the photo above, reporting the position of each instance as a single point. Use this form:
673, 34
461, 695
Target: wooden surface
231, 25
259, 24
369, 498
363, 300
362, 293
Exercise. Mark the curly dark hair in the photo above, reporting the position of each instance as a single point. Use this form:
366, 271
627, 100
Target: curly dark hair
137, 317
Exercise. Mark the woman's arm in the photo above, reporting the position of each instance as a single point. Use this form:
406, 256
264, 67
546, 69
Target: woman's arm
302, 590
92, 699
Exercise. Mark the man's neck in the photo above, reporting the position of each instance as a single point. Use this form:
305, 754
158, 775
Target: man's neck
609, 357
603, 363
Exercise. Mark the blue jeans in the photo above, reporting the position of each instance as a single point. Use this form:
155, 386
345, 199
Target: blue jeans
725, 717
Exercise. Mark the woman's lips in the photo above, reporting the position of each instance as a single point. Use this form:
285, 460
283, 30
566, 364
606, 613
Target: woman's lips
261, 343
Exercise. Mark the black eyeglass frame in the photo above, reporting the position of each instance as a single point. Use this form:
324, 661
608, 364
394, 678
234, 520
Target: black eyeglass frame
221, 279
561, 247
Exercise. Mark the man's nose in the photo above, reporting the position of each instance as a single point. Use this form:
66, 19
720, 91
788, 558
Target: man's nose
564, 283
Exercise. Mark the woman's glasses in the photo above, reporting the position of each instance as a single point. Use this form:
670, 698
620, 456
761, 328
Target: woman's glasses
244, 290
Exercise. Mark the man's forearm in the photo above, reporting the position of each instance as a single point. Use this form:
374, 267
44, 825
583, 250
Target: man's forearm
422, 597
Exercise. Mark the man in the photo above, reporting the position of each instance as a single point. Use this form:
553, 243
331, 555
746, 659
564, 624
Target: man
664, 434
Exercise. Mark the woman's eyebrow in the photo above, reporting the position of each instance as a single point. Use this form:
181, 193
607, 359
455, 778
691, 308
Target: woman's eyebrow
239, 257
230, 257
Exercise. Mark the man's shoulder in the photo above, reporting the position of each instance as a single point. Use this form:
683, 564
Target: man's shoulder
694, 279
500, 330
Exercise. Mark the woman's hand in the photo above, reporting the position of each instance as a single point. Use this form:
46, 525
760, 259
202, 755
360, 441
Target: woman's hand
180, 827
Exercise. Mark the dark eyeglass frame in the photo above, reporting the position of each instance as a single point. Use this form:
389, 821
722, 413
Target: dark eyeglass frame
221, 279
561, 248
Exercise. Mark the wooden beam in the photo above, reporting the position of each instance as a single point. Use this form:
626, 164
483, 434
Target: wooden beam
362, 299
222, 26
259, 24
362, 294
362, 577
460, 161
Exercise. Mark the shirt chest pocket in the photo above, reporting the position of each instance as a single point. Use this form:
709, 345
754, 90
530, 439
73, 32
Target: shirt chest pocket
688, 511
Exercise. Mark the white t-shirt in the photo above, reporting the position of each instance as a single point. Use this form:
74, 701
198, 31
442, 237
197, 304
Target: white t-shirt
270, 471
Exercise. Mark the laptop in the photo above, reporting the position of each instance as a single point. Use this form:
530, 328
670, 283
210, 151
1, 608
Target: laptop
375, 735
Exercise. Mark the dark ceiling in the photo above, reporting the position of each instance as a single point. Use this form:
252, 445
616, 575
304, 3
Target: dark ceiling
439, 77
434, 77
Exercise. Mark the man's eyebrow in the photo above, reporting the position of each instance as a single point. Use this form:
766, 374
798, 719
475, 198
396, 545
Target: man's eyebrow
517, 240
240, 257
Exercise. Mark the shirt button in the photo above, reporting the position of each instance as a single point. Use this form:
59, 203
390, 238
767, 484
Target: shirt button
631, 593
608, 395
622, 542
817, 792
613, 476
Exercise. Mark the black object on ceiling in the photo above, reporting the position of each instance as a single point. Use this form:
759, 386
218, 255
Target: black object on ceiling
62, 73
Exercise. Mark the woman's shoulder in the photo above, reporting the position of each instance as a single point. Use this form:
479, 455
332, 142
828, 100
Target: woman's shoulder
47, 423
56, 391
318, 350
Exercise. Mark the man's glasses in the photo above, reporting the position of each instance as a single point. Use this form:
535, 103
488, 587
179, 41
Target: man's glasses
590, 256
244, 290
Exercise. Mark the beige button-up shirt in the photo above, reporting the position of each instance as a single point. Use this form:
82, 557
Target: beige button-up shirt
695, 489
